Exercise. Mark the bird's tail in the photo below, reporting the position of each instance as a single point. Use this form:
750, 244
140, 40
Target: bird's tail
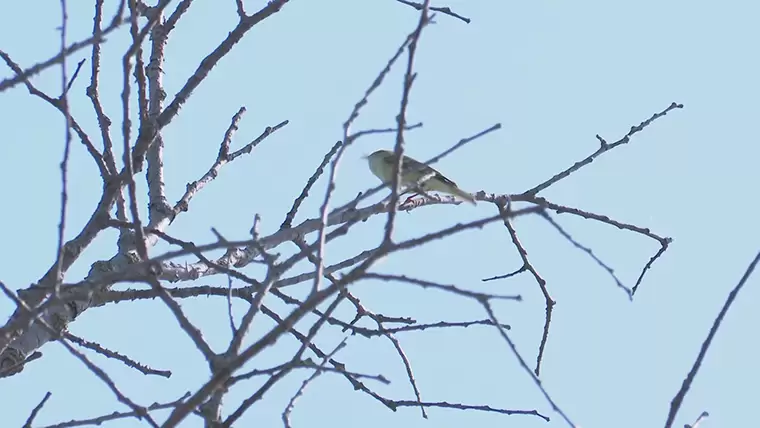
456, 191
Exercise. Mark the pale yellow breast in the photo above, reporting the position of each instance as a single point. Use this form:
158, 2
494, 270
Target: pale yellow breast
382, 170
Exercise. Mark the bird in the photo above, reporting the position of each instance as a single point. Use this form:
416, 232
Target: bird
381, 164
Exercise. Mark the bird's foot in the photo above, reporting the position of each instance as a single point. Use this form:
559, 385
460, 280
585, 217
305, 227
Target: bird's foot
409, 199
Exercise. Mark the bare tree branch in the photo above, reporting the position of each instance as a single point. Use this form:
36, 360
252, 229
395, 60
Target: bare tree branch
70, 49
533, 376
675, 404
139, 411
37, 408
444, 10
116, 415
117, 356
266, 313
147, 136
604, 148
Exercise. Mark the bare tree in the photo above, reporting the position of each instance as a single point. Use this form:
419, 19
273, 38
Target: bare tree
45, 309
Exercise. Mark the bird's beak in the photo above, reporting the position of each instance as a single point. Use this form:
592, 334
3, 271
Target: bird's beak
365, 157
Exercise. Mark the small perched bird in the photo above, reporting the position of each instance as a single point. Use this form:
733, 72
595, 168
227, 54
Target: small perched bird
381, 164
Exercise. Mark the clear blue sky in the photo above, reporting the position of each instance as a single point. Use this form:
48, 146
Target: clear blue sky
554, 74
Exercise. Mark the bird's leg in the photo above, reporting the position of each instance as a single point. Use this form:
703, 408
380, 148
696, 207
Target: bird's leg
410, 198
416, 191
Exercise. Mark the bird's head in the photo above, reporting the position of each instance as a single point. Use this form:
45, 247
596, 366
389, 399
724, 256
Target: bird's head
378, 164
377, 155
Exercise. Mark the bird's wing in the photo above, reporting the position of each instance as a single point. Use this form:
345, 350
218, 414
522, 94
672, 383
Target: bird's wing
410, 164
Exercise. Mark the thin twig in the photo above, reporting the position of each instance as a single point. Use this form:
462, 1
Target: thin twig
590, 252
483, 408
57, 103
363, 133
533, 376
699, 420
171, 22
240, 9
58, 57
104, 122
675, 404
222, 159
309, 183
445, 287
64, 166
319, 370
37, 408
305, 364
444, 10
605, 147
505, 212
233, 329
117, 356
117, 415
